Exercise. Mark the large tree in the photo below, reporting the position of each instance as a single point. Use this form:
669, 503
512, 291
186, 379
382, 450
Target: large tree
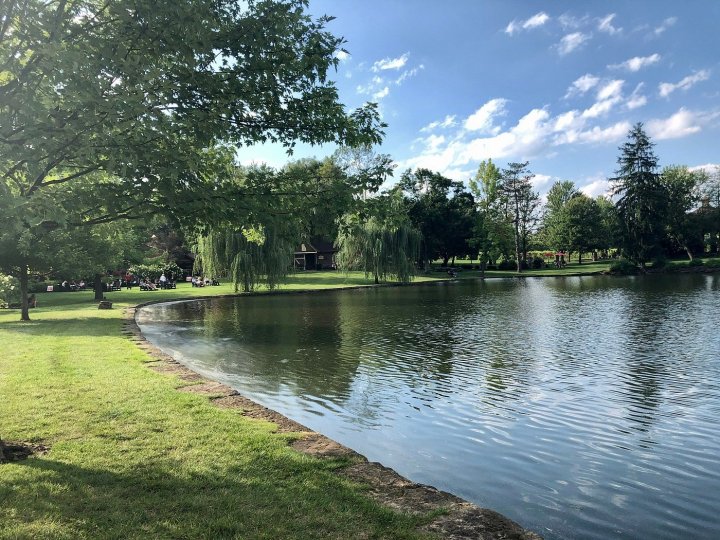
522, 206
555, 214
380, 240
442, 210
581, 228
682, 188
641, 199
124, 109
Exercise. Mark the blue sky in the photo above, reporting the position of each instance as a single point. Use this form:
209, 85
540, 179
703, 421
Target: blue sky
556, 83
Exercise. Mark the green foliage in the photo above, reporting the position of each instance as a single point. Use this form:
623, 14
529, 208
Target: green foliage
154, 271
9, 290
623, 267
682, 189
130, 109
492, 234
555, 232
249, 256
522, 206
442, 210
383, 245
642, 201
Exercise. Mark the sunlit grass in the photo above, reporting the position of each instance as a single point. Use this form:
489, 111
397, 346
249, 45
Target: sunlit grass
132, 457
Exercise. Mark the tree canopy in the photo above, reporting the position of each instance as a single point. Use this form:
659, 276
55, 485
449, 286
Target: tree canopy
114, 110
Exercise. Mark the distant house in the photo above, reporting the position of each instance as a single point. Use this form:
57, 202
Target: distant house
316, 254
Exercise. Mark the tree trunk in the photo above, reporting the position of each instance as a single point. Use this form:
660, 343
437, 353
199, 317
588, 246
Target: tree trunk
377, 280
24, 312
98, 287
517, 249
580, 257
689, 253
446, 259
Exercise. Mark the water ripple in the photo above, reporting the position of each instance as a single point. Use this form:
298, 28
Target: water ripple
581, 407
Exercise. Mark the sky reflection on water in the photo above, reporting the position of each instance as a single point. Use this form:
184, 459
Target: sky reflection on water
580, 407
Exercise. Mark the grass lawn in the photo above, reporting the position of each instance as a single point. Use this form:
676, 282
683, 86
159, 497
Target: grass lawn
131, 457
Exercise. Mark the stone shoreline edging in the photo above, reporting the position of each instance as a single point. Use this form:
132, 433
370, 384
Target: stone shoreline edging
460, 519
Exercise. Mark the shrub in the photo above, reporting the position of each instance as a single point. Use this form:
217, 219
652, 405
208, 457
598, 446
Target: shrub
538, 262
506, 264
696, 262
623, 267
9, 290
658, 263
39, 286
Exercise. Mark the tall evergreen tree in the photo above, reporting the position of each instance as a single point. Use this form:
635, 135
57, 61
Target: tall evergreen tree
523, 204
641, 202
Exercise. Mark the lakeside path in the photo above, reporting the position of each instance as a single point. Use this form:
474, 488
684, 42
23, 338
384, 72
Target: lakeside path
122, 450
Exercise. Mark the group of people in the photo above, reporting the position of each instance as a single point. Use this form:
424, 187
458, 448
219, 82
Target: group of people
200, 282
72, 285
163, 282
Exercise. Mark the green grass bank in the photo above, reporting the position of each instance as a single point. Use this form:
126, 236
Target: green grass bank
131, 457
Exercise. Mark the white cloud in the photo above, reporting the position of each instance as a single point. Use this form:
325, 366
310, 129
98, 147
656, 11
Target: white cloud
524, 139
571, 42
434, 142
609, 134
448, 121
636, 99
582, 85
342, 55
540, 180
381, 93
611, 89
535, 21
709, 168
595, 187
691, 80
609, 95
667, 23
569, 21
637, 63
482, 119
681, 124
409, 73
605, 25
390, 63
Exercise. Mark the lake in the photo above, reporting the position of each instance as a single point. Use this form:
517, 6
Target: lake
581, 407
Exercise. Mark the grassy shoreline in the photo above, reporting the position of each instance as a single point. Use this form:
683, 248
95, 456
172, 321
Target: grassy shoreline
129, 456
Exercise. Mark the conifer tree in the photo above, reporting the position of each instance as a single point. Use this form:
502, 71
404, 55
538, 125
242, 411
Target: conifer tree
640, 198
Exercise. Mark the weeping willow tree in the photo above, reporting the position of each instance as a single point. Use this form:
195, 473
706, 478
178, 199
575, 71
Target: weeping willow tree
248, 256
384, 245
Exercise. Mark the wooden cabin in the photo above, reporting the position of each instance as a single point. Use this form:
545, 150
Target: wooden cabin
316, 254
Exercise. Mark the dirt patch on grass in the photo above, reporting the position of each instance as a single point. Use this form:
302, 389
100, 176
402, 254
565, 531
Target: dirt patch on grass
17, 451
456, 518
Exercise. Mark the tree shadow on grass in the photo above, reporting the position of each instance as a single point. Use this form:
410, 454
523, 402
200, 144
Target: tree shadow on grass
257, 498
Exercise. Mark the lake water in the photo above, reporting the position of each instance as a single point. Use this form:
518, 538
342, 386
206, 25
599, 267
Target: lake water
581, 407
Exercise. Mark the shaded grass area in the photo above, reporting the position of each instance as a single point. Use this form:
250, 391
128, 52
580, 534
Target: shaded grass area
131, 457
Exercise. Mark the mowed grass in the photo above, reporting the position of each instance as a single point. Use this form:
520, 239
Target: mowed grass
130, 456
